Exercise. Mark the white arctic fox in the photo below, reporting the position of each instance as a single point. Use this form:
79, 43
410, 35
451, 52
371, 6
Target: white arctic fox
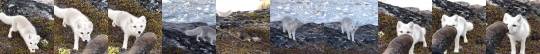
413, 29
347, 26
130, 24
205, 32
80, 24
518, 30
24, 27
461, 25
290, 25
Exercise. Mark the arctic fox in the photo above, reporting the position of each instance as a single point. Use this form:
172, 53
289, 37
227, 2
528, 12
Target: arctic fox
347, 26
400, 45
80, 24
461, 25
494, 35
205, 32
518, 30
130, 24
144, 44
290, 25
442, 39
226, 7
415, 30
24, 27
98, 45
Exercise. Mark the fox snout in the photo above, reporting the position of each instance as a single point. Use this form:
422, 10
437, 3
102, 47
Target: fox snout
140, 32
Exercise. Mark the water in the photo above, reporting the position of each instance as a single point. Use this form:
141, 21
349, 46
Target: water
187, 11
324, 11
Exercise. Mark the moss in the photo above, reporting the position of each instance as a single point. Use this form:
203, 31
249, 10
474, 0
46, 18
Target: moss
113, 50
64, 51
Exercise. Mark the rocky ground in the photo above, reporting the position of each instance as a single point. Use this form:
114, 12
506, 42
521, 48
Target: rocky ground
174, 39
244, 32
136, 8
323, 38
64, 35
38, 14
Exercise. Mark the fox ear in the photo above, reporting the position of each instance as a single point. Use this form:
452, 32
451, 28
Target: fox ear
520, 18
143, 18
506, 16
444, 18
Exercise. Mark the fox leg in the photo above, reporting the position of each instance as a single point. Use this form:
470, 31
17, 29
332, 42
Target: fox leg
124, 44
522, 50
456, 45
76, 43
10, 31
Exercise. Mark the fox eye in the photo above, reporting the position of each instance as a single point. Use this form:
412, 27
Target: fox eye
134, 26
514, 25
141, 26
408, 32
82, 33
400, 31
87, 32
453, 25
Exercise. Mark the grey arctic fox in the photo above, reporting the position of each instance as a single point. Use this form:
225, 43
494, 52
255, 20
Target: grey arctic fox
206, 32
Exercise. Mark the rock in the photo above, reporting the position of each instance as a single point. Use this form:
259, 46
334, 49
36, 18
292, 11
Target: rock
407, 16
153, 5
98, 45
28, 8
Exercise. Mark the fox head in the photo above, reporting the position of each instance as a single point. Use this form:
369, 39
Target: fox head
137, 25
84, 30
449, 21
514, 23
33, 41
404, 28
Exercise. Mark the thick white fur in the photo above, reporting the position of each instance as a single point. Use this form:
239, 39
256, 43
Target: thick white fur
80, 24
205, 32
24, 27
518, 30
290, 25
226, 7
413, 29
461, 25
130, 24
347, 26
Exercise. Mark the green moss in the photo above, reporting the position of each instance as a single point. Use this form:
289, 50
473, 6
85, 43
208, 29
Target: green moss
64, 51
113, 50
